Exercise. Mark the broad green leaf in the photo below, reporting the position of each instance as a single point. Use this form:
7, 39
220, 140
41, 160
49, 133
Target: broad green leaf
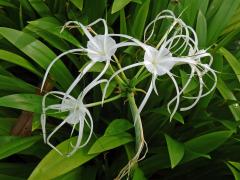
228, 95
235, 171
138, 174
15, 85
201, 29
41, 7
213, 7
54, 165
234, 24
208, 142
27, 102
119, 4
234, 63
50, 38
226, 39
54, 40
108, 142
163, 111
175, 150
123, 24
18, 60
118, 126
6, 125
10, 145
53, 26
221, 19
110, 89
139, 19
192, 9
78, 4
39, 52
7, 3
231, 125
82, 172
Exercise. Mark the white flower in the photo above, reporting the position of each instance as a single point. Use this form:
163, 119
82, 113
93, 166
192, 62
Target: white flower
78, 114
175, 48
100, 48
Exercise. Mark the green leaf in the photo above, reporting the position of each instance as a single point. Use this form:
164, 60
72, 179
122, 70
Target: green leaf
221, 19
53, 26
233, 62
201, 29
231, 125
139, 19
15, 85
192, 8
235, 170
54, 165
7, 3
108, 142
163, 111
18, 60
138, 174
110, 89
123, 24
191, 86
48, 37
78, 4
10, 145
39, 52
175, 150
208, 142
6, 125
118, 126
119, 4
82, 172
41, 7
27, 102
228, 95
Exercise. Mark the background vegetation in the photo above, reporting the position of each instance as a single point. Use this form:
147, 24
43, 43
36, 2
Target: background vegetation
202, 143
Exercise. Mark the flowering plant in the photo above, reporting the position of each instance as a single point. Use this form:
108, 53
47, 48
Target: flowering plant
177, 47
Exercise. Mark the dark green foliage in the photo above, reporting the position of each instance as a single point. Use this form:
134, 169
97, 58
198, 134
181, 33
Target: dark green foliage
202, 143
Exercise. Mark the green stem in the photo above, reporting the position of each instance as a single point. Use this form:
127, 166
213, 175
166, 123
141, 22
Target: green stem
117, 78
120, 67
138, 123
105, 101
139, 72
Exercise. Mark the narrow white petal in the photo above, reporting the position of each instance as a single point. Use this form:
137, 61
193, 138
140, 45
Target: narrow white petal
55, 60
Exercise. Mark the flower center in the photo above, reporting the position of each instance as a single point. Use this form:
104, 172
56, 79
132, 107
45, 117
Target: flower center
101, 48
158, 61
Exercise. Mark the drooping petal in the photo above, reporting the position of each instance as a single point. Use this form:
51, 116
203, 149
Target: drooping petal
184, 87
55, 60
146, 97
199, 93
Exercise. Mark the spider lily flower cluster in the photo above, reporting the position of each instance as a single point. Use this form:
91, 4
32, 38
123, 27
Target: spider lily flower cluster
177, 47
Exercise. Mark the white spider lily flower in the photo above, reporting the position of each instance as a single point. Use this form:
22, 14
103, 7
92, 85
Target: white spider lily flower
78, 113
160, 60
100, 48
